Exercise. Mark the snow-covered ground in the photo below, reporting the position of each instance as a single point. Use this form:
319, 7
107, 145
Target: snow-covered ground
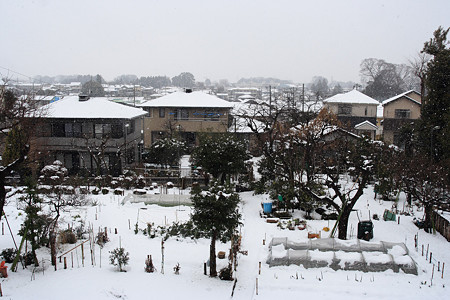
100, 280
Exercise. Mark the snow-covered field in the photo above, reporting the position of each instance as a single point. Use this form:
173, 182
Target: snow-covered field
100, 280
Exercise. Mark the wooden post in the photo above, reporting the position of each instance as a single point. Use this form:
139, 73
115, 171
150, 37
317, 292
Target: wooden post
264, 242
443, 265
259, 268
398, 219
71, 257
204, 268
65, 263
256, 285
428, 247
431, 254
3, 228
439, 266
82, 254
422, 250
129, 224
115, 230
432, 275
1, 292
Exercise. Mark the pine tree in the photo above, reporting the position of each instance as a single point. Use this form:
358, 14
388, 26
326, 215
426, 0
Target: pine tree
221, 155
215, 213
434, 127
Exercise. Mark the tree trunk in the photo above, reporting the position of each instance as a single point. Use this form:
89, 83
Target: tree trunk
212, 256
53, 247
2, 193
428, 224
343, 224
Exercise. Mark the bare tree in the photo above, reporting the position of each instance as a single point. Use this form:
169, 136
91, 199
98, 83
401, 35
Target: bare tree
419, 66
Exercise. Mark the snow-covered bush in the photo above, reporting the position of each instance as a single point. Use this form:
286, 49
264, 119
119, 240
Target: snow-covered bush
119, 258
101, 239
67, 237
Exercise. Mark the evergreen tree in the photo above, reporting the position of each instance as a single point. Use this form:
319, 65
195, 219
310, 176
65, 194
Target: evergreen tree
434, 127
215, 212
36, 224
221, 155
166, 152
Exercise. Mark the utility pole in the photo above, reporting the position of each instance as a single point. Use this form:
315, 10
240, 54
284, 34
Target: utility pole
303, 97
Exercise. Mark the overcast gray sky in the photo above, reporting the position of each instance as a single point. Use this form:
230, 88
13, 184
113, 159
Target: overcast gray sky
292, 40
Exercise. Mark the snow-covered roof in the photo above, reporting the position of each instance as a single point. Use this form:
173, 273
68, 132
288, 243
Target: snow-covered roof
95, 107
366, 123
182, 99
405, 94
354, 96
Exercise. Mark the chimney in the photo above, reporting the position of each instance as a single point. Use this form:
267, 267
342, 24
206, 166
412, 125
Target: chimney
82, 98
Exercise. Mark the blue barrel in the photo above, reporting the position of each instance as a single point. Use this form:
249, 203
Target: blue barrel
267, 207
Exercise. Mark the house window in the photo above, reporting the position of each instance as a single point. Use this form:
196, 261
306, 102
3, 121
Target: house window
344, 109
72, 130
365, 111
402, 113
212, 116
181, 114
162, 112
58, 130
102, 130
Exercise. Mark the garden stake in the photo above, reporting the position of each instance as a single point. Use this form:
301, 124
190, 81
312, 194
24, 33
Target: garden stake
65, 263
439, 265
259, 268
422, 250
431, 254
443, 264
432, 275
71, 256
256, 285
1, 292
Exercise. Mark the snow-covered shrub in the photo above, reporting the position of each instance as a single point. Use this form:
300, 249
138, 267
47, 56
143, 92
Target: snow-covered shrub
67, 237
53, 174
8, 255
140, 182
149, 267
119, 258
101, 239
28, 258
225, 273
105, 191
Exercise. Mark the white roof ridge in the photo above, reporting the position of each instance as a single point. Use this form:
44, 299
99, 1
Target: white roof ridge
353, 96
396, 97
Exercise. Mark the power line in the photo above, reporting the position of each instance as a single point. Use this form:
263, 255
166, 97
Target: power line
15, 72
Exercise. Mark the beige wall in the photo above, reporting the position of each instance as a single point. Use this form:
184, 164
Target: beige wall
358, 110
402, 103
195, 123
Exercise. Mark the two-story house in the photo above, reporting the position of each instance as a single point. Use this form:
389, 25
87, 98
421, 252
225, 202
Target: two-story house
398, 111
356, 111
185, 114
90, 134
